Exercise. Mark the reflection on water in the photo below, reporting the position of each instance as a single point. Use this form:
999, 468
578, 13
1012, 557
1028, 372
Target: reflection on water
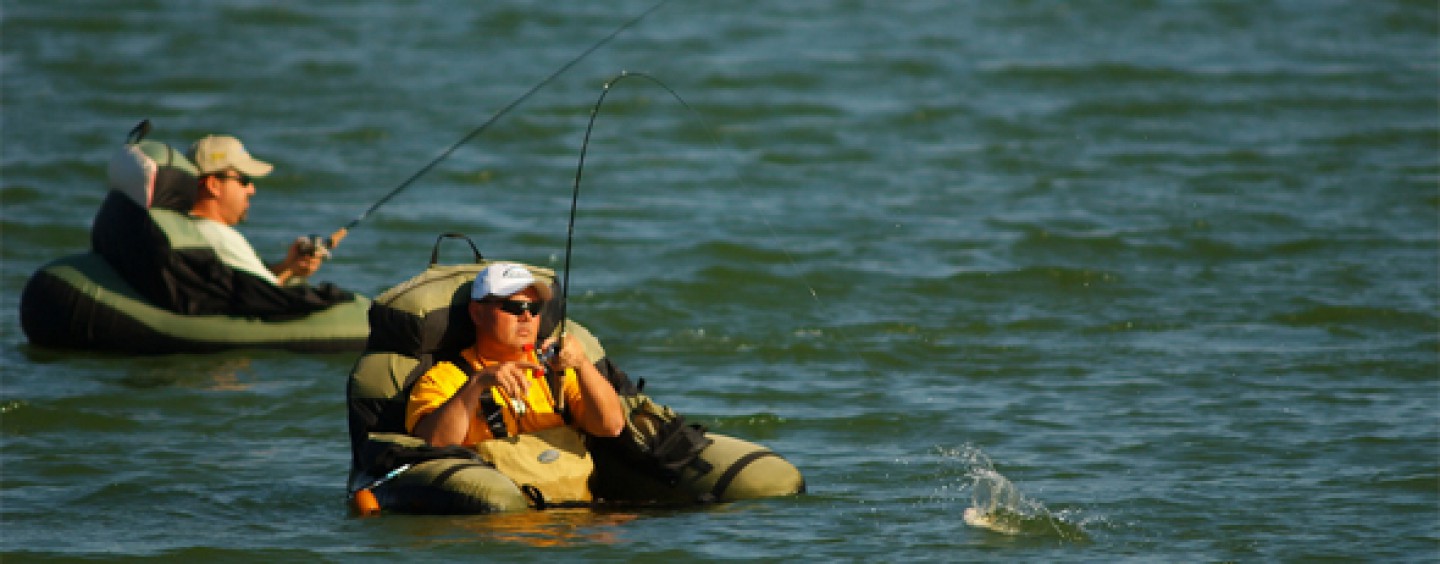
549, 528
220, 374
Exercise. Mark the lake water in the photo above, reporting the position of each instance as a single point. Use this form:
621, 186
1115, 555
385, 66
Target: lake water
1138, 280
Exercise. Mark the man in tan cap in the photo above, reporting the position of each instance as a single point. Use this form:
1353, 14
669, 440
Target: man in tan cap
227, 181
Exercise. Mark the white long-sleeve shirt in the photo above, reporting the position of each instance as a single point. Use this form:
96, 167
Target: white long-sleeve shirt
232, 247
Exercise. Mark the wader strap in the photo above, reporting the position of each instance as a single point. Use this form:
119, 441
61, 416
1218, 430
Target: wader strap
490, 411
734, 470
492, 414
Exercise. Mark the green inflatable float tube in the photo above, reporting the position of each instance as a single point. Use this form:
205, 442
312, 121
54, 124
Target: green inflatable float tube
424, 318
152, 284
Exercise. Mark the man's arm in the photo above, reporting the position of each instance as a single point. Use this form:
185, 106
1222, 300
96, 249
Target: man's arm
603, 416
449, 424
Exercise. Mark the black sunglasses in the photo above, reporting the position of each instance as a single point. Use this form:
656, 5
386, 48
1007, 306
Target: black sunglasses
243, 179
517, 307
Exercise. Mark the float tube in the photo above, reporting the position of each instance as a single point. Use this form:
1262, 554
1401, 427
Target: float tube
151, 284
425, 317
80, 302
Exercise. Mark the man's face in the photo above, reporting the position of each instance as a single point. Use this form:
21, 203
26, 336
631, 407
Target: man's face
232, 191
513, 330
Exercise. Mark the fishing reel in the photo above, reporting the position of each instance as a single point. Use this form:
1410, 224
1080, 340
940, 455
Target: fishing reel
312, 245
546, 355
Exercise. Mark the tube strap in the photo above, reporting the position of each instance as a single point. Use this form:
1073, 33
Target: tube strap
722, 484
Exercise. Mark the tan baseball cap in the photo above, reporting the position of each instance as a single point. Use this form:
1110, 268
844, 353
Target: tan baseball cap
218, 153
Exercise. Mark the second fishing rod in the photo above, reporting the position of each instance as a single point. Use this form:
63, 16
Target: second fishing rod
317, 243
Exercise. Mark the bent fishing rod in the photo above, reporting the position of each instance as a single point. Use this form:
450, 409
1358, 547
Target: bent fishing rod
554, 350
316, 242
550, 352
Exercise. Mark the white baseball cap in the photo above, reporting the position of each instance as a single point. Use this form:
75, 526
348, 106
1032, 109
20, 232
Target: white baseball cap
218, 153
505, 279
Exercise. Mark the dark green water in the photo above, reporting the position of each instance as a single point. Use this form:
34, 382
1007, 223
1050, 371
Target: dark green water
1153, 280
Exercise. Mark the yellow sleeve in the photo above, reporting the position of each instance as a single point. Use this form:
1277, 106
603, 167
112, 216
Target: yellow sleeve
574, 400
431, 391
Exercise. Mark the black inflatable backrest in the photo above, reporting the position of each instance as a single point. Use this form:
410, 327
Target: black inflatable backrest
426, 314
154, 175
150, 180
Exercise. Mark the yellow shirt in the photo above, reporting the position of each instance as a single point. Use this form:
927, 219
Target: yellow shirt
443, 380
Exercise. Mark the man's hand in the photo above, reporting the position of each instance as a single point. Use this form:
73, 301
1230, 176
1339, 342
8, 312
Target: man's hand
572, 355
302, 260
513, 378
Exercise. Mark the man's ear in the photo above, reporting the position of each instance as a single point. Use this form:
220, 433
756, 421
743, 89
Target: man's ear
209, 187
474, 309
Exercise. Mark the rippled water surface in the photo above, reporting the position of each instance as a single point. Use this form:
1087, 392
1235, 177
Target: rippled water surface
1009, 281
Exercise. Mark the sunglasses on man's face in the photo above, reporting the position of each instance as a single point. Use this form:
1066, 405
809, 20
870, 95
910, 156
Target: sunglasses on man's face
244, 180
517, 307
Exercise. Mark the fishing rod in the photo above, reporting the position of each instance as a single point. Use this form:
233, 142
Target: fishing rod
315, 242
554, 350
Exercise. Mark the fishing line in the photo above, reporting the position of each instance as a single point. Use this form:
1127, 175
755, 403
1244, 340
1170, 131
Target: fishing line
579, 173
575, 194
340, 234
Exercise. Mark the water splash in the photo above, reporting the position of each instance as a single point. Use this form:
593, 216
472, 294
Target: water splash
997, 505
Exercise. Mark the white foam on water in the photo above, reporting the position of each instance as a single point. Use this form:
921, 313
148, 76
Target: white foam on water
997, 505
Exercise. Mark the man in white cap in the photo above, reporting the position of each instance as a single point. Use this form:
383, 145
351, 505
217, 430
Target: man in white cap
227, 181
445, 404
